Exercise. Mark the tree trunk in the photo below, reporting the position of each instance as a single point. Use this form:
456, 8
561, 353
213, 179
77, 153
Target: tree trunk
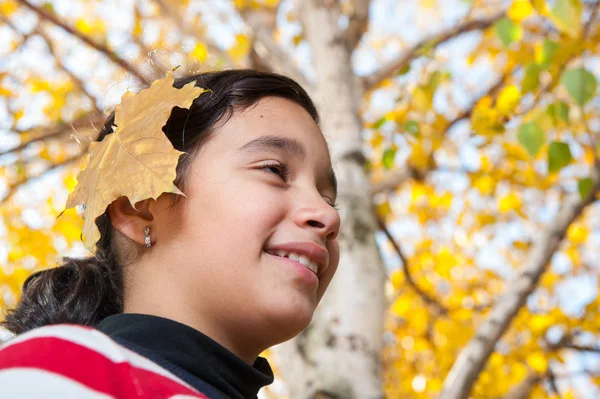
338, 355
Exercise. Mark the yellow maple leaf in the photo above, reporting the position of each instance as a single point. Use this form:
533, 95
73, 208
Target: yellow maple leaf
240, 48
510, 202
137, 148
519, 10
200, 52
538, 362
508, 99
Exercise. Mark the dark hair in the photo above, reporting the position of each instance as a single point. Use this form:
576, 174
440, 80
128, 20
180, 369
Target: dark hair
86, 290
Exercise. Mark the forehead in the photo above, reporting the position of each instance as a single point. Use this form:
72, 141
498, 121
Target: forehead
273, 116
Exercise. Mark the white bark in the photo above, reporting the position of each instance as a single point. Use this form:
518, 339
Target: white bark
474, 355
339, 354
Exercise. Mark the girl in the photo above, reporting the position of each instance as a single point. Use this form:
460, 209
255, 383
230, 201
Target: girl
184, 293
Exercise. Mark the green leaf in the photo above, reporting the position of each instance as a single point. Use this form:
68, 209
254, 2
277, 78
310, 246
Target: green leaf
558, 111
388, 158
532, 137
531, 80
507, 31
559, 156
47, 6
412, 127
379, 123
584, 185
581, 85
566, 15
404, 70
549, 49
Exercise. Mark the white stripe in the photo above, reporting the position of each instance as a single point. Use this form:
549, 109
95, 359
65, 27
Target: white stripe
96, 341
29, 383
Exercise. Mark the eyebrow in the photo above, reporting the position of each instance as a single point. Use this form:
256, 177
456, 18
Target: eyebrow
292, 146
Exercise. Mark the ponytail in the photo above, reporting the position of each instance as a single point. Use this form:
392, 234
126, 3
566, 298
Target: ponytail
80, 291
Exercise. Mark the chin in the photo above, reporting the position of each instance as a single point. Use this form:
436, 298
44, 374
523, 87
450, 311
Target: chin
289, 322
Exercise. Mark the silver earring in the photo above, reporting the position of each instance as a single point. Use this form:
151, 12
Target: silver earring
147, 236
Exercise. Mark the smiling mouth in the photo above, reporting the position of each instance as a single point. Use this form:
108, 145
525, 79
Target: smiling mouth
302, 259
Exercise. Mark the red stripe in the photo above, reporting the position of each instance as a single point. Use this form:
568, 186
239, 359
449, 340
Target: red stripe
90, 368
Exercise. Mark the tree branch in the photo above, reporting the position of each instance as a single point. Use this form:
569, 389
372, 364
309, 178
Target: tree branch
12, 189
433, 41
396, 177
267, 54
45, 15
359, 22
524, 388
78, 82
172, 11
57, 131
475, 354
428, 299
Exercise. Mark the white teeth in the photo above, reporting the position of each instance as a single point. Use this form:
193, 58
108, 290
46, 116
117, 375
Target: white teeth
302, 259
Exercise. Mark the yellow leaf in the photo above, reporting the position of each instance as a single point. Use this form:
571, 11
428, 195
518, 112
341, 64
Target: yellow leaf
519, 10
397, 279
137, 26
87, 28
69, 226
70, 182
7, 8
138, 147
376, 140
402, 305
541, 7
444, 262
538, 362
18, 115
577, 234
508, 99
485, 184
384, 210
39, 85
200, 52
240, 48
419, 158
575, 256
540, 323
422, 99
510, 202
84, 26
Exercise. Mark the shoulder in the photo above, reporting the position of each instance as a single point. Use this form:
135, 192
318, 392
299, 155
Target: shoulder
75, 361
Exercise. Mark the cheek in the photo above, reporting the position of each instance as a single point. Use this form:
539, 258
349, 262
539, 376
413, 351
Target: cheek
235, 212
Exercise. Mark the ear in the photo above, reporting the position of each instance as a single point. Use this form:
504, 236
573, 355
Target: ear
128, 221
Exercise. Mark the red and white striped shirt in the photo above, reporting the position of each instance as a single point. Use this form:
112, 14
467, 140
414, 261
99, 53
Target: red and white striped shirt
71, 361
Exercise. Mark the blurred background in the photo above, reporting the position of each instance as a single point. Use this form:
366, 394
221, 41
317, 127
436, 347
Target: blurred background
467, 154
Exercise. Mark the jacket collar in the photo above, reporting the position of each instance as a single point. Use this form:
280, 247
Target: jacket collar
192, 351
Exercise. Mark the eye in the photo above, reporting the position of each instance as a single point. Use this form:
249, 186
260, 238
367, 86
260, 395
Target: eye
333, 204
279, 168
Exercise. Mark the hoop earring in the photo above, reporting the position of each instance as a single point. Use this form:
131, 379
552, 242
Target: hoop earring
147, 236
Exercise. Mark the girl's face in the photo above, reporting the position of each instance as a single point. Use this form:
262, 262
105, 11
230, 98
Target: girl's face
263, 183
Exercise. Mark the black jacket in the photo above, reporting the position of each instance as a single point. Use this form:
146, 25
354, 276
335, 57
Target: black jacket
189, 354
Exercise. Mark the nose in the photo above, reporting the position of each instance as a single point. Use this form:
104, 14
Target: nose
313, 212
